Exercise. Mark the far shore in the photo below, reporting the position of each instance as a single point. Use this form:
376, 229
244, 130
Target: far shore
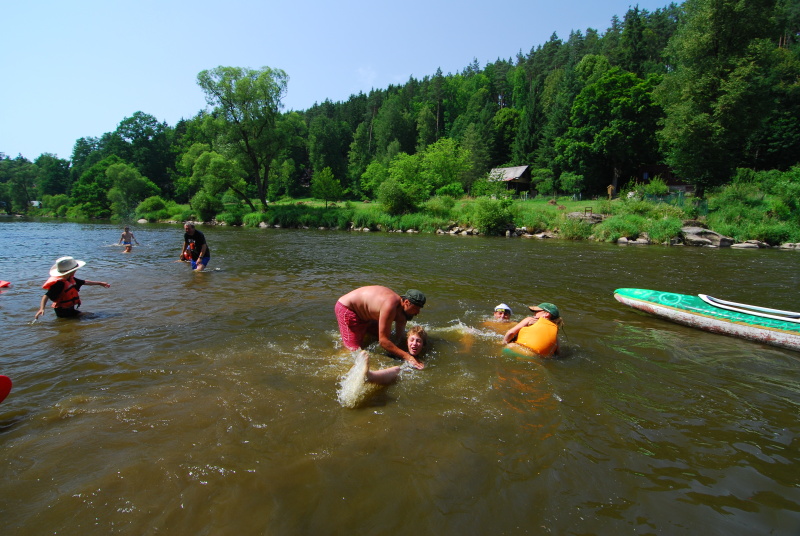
623, 221
693, 234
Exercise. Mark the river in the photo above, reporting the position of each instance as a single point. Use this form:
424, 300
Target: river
209, 403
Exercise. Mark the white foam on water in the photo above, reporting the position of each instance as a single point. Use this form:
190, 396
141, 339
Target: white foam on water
459, 328
353, 387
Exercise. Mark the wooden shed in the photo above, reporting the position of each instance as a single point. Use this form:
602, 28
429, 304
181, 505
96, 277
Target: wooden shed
517, 178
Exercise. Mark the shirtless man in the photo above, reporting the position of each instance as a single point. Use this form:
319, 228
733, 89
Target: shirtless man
127, 238
373, 309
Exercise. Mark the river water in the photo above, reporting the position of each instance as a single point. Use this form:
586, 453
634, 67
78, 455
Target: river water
208, 403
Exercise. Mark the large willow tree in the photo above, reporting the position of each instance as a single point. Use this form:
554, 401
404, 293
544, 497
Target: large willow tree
246, 108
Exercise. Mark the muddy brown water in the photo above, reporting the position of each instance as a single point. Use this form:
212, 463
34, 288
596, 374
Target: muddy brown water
207, 403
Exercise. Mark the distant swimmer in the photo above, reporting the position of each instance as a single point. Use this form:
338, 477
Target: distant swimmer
62, 288
195, 248
502, 313
373, 309
500, 319
127, 238
537, 333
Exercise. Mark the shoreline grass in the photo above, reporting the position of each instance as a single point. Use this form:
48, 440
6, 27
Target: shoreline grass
628, 218
600, 219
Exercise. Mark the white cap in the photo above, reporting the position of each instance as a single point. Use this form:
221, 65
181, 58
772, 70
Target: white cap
503, 307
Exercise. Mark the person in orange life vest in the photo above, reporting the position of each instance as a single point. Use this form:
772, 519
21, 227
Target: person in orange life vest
538, 333
62, 288
195, 243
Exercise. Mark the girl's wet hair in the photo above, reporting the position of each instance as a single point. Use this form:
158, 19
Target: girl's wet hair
420, 332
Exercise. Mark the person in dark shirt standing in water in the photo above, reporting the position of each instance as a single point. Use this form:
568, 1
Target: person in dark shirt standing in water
194, 243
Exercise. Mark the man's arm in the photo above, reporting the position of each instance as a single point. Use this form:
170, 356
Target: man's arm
399, 328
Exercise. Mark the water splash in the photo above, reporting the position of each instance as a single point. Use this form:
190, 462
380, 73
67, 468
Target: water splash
353, 387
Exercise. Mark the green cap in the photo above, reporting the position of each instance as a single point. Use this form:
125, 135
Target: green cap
547, 307
414, 296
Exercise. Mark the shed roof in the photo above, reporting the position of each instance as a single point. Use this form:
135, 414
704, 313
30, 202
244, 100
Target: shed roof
508, 173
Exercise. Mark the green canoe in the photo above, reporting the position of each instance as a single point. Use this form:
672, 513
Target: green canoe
762, 324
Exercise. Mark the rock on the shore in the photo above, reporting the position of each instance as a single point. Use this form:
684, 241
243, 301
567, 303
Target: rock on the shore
698, 236
540, 236
590, 217
642, 240
463, 231
751, 244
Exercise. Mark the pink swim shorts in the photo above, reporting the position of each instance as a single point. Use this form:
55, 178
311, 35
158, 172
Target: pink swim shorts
351, 327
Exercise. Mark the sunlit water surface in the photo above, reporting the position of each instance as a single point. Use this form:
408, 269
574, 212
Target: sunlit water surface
209, 403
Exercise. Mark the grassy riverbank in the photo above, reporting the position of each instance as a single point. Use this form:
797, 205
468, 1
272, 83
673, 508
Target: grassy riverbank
763, 206
659, 219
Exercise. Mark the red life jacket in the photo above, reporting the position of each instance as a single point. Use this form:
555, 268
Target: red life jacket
69, 295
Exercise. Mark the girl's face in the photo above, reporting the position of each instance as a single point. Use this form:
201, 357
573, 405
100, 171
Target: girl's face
415, 344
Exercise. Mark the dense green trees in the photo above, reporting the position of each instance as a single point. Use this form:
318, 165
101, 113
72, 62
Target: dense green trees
246, 106
613, 134
719, 93
146, 144
17, 184
90, 192
128, 189
53, 175
706, 88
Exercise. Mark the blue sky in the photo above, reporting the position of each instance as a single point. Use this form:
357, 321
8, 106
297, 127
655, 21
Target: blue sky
76, 69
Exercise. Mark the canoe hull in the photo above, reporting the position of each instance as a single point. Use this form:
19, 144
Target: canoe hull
693, 312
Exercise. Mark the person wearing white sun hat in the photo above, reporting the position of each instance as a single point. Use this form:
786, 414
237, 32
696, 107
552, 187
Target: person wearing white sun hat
62, 288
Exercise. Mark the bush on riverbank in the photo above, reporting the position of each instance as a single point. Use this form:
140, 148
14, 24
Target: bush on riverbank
574, 229
762, 206
157, 209
743, 211
757, 205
